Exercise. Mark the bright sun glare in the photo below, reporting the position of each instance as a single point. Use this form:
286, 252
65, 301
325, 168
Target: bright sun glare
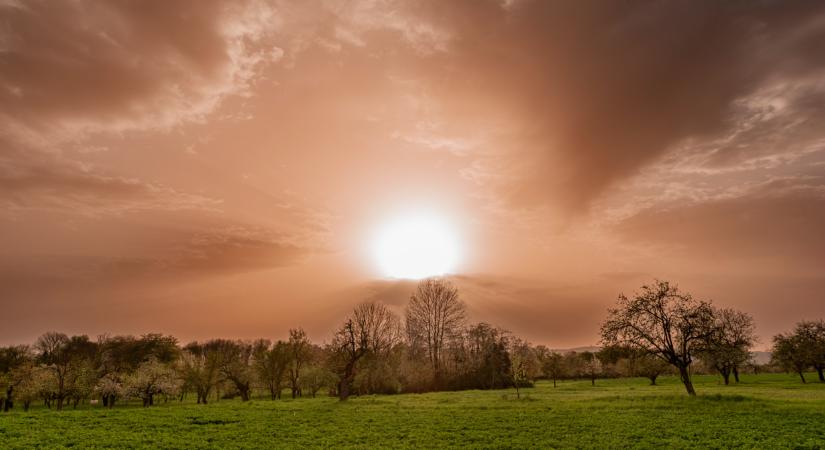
416, 247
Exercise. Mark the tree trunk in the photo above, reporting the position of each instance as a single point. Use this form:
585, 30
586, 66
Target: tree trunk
736, 373
593, 381
105, 400
9, 404
60, 403
346, 380
26, 404
653, 379
802, 376
819, 371
685, 376
726, 376
554, 381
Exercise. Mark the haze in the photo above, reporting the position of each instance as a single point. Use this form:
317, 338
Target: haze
210, 169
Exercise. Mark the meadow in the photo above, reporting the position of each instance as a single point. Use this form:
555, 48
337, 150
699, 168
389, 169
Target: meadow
763, 411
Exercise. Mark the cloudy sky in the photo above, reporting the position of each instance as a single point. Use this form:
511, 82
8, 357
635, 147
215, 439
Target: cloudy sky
207, 169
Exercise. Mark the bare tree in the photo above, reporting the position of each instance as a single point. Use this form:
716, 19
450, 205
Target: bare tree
234, 360
728, 347
270, 365
371, 329
662, 321
300, 353
435, 313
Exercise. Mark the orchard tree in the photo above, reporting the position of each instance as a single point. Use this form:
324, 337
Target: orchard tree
792, 353
812, 337
270, 364
522, 364
234, 360
553, 367
591, 366
198, 368
727, 348
434, 314
68, 359
150, 379
372, 329
300, 353
662, 321
12, 360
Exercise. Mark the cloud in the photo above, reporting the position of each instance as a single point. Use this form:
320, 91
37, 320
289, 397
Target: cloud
77, 67
37, 181
778, 222
579, 96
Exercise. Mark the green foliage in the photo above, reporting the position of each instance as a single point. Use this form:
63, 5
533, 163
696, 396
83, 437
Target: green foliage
763, 411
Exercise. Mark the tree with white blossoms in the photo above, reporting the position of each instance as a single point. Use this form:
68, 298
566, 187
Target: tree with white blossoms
150, 379
110, 388
523, 364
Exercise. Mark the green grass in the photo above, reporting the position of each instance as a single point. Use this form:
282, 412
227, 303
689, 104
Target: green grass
765, 411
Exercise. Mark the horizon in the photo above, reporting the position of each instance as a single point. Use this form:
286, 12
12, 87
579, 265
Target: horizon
204, 169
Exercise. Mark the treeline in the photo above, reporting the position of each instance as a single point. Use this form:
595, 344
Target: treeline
432, 347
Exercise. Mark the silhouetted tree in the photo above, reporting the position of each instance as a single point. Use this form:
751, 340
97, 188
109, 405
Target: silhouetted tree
198, 367
372, 329
662, 321
728, 347
271, 365
434, 314
552, 365
300, 353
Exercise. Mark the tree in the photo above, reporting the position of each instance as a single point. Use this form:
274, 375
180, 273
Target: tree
109, 388
300, 353
792, 352
483, 358
67, 359
522, 364
435, 313
662, 321
151, 378
198, 367
234, 364
270, 365
552, 365
727, 348
591, 366
316, 377
372, 329
12, 359
812, 337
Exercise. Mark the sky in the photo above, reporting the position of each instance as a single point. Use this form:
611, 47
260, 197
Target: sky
223, 169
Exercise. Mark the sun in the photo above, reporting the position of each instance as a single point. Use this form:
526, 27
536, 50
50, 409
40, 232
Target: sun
415, 247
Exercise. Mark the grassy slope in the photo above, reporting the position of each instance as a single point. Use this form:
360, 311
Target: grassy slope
765, 411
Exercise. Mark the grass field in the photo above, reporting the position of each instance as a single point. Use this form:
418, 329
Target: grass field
764, 411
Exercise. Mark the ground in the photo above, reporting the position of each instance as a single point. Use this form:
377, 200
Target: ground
763, 411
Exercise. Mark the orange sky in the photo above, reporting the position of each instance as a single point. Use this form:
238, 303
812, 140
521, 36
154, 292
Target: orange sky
213, 169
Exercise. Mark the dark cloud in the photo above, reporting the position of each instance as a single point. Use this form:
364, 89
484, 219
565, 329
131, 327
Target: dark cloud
599, 90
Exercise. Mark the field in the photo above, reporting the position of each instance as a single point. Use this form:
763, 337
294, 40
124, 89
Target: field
764, 411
